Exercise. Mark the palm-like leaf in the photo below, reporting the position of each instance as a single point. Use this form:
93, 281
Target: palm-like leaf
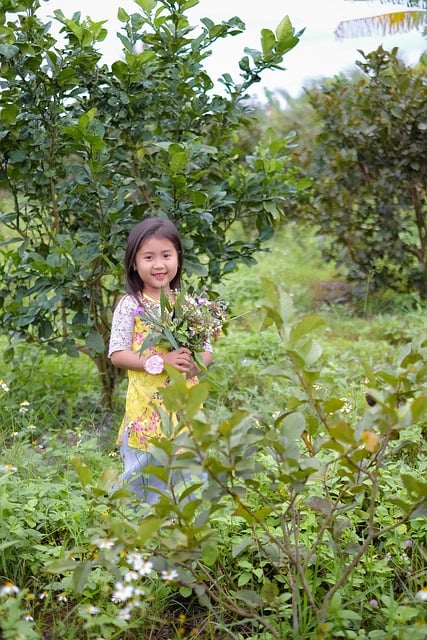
384, 24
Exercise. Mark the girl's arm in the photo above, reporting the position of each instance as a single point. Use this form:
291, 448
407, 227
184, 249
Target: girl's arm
127, 359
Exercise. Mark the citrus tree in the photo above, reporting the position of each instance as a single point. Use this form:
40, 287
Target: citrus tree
369, 170
87, 150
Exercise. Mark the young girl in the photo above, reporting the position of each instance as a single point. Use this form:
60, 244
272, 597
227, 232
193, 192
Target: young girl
153, 262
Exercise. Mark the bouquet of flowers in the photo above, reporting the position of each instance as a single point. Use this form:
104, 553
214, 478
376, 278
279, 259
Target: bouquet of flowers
186, 321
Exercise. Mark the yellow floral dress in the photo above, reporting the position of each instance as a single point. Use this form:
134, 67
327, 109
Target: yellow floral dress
141, 419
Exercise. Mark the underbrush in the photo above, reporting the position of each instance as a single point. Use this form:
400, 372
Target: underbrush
311, 523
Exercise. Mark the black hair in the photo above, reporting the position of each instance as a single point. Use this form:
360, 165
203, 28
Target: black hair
162, 228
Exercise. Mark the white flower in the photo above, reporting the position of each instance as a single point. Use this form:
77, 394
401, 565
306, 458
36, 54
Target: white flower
4, 386
124, 614
8, 589
131, 576
137, 562
169, 575
104, 543
122, 592
422, 594
91, 609
8, 468
62, 597
28, 618
23, 407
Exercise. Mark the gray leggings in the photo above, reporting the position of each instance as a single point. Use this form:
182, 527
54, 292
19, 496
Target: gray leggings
133, 476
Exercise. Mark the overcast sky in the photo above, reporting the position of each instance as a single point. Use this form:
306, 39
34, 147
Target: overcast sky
318, 54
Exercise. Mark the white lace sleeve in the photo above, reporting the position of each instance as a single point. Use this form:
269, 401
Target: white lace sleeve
207, 346
122, 325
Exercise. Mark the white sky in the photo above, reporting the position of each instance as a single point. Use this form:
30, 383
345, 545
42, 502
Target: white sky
318, 54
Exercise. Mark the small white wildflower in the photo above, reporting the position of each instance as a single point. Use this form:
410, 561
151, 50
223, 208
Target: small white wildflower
4, 386
31, 427
23, 407
137, 562
28, 618
62, 597
275, 414
91, 609
169, 575
124, 614
122, 592
347, 406
422, 594
43, 595
8, 468
9, 589
131, 576
145, 568
104, 543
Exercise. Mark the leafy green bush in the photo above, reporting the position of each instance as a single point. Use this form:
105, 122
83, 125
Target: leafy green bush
300, 529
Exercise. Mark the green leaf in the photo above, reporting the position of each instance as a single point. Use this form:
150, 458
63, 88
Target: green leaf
198, 394
284, 29
8, 50
178, 162
146, 530
9, 113
83, 471
293, 425
419, 409
415, 487
304, 326
251, 598
81, 575
210, 553
268, 42
95, 342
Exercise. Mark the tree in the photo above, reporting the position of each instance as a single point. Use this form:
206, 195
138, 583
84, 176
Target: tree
369, 170
387, 23
87, 150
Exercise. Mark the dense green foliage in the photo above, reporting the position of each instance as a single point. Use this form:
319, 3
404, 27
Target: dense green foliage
87, 150
369, 170
313, 517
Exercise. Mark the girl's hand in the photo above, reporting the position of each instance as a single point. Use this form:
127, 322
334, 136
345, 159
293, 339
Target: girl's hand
180, 358
195, 369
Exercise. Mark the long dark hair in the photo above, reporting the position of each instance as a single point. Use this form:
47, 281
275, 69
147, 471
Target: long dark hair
162, 228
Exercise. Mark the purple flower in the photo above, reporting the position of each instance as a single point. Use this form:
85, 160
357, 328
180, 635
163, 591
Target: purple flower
373, 602
138, 311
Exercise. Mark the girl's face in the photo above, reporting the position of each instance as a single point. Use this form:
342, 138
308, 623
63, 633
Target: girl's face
157, 264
